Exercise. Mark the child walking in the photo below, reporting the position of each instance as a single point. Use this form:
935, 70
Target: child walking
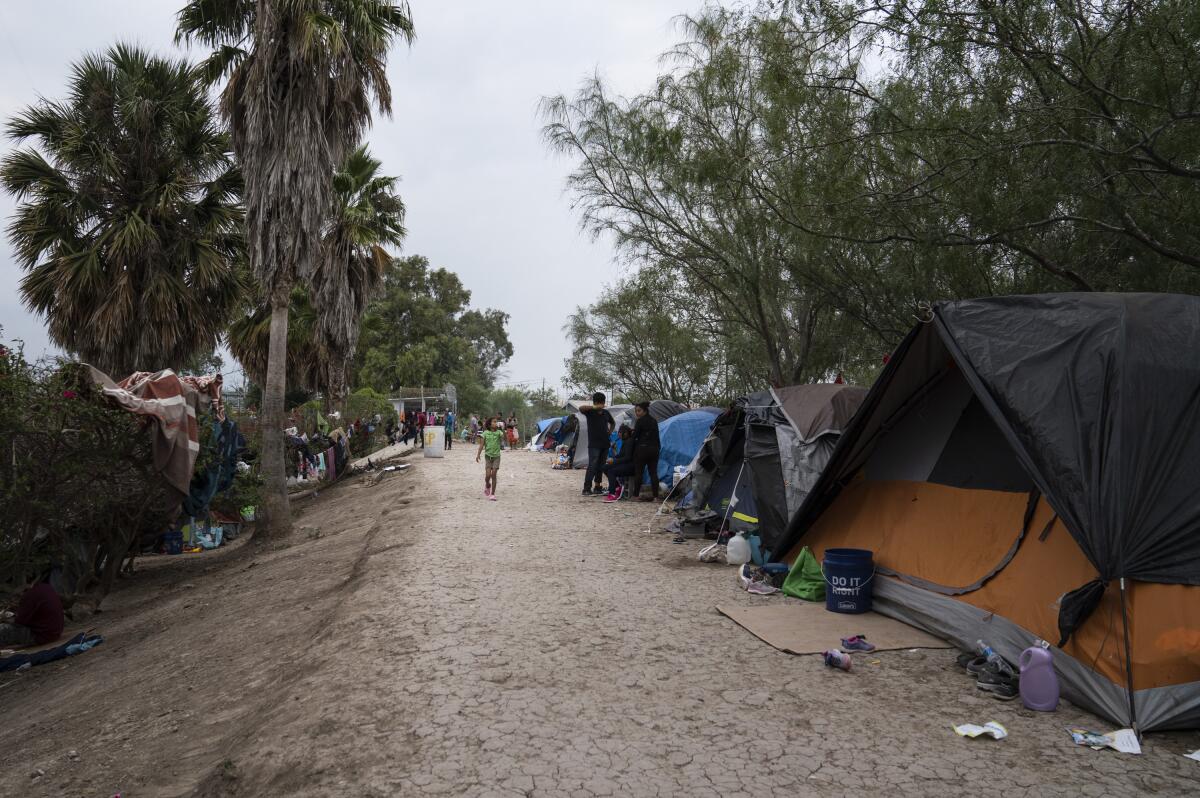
489, 446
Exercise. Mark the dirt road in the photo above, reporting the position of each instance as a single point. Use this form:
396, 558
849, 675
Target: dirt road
412, 638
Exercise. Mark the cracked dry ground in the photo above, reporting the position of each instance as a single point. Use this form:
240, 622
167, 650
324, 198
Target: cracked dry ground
411, 638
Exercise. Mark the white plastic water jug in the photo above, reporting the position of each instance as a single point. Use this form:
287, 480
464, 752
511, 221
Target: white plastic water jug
738, 550
677, 475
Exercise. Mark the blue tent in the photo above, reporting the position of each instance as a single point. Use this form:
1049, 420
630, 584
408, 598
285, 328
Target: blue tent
545, 422
681, 437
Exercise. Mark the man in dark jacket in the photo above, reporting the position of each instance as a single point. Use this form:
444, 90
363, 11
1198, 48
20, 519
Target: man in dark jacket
600, 425
645, 450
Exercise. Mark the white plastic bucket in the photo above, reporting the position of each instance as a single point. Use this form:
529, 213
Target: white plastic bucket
435, 441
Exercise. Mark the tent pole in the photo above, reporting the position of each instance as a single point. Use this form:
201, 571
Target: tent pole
1133, 724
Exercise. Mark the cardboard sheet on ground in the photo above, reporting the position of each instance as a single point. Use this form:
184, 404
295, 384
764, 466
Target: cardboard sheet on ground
798, 628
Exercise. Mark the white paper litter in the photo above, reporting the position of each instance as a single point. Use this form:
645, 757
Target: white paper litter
1194, 755
991, 729
1125, 741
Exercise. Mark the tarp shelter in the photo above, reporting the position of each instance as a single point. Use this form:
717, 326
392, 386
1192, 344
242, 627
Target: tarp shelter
1025, 468
571, 430
680, 438
766, 453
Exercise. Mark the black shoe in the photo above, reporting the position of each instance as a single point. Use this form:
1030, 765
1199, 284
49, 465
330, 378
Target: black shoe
586, 492
976, 665
1002, 686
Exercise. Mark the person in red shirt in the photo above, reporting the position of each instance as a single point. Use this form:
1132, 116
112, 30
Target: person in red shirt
38, 618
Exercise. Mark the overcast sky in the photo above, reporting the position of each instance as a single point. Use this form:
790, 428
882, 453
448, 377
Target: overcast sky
485, 198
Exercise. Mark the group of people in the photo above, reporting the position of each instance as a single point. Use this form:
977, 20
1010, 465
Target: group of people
510, 430
622, 458
413, 423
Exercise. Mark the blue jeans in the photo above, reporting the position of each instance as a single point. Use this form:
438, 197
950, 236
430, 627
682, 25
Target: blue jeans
595, 466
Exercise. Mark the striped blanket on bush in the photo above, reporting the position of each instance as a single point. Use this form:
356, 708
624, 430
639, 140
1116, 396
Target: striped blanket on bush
172, 402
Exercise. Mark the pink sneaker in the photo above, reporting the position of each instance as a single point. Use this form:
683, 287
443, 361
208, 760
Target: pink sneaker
492, 497
487, 494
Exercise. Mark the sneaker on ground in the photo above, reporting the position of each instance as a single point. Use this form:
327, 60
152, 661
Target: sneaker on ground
976, 665
857, 643
1002, 686
492, 497
586, 492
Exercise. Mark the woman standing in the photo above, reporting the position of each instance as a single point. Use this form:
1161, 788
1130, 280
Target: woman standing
645, 450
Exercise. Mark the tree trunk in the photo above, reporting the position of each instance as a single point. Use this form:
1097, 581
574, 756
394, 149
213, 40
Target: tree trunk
275, 513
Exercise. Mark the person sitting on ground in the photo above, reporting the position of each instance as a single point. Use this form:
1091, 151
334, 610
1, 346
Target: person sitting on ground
646, 449
37, 619
489, 445
620, 465
600, 425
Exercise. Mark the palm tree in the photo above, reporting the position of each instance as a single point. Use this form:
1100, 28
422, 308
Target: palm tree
249, 339
128, 223
367, 216
301, 76
323, 321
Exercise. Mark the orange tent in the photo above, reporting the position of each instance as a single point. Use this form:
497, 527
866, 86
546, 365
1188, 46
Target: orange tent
1015, 483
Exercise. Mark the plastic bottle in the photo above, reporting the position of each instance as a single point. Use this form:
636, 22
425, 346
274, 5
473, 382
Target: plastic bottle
738, 550
994, 659
1039, 682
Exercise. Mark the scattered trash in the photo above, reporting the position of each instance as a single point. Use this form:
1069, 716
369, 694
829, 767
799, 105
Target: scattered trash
1194, 755
836, 659
1123, 740
876, 662
991, 729
714, 552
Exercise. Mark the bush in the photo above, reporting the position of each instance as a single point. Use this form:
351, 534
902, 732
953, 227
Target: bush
77, 480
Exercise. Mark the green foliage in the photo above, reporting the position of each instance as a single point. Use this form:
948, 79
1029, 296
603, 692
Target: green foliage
128, 221
419, 331
641, 338
808, 175
324, 319
77, 482
366, 403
